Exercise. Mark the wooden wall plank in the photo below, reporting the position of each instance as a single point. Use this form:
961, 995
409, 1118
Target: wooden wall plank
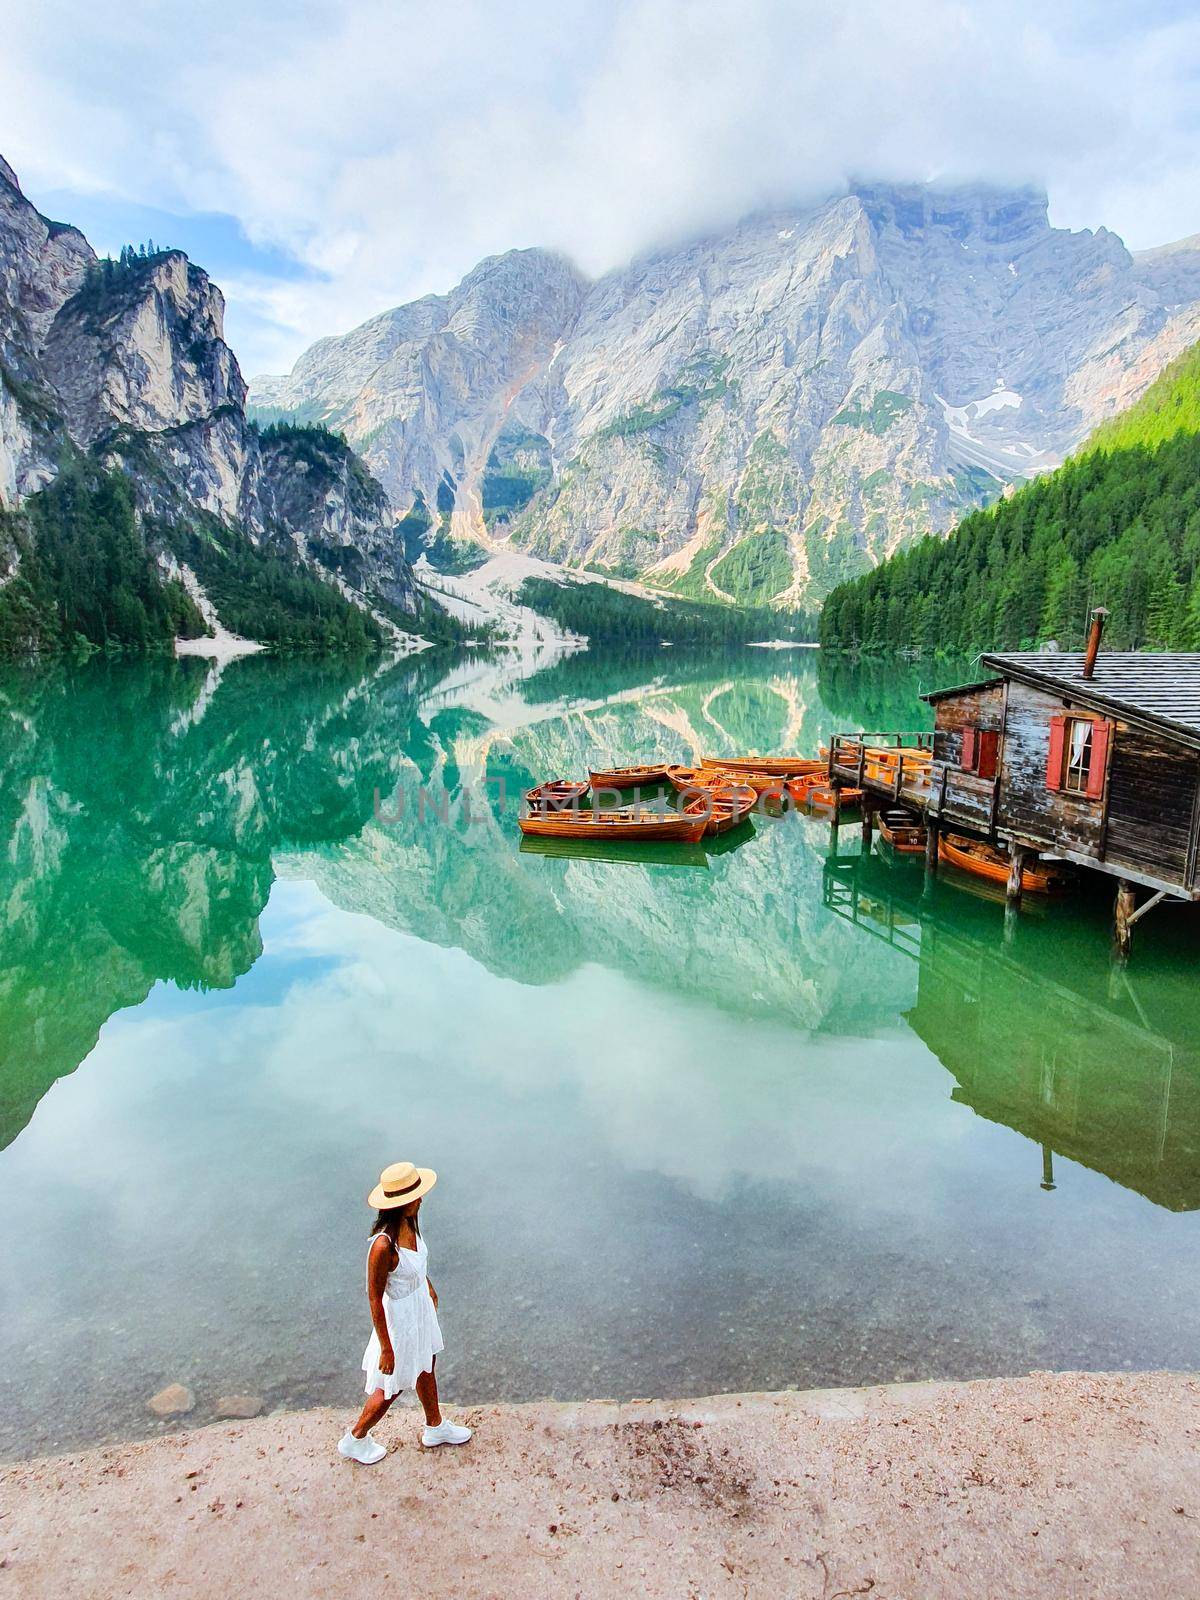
1152, 791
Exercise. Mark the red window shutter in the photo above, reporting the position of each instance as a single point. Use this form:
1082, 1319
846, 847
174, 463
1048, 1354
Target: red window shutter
1054, 760
967, 760
1101, 731
988, 748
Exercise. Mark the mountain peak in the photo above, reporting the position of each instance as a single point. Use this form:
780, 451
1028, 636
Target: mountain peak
991, 212
122, 365
761, 411
8, 175
527, 266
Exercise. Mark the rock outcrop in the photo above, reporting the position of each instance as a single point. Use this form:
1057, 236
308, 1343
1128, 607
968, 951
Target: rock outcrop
761, 413
127, 363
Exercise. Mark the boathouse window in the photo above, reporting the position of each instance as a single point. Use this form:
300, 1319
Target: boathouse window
1078, 755
980, 747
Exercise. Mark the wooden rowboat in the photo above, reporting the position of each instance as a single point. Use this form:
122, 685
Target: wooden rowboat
971, 855
798, 788
629, 777
823, 797
766, 766
903, 831
732, 793
718, 777
558, 794
720, 815
696, 781
648, 826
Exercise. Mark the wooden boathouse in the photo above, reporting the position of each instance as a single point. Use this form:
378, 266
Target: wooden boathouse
1092, 759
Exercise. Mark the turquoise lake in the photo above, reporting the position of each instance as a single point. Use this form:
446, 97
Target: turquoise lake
772, 1114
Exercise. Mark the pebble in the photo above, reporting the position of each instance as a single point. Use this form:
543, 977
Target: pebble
239, 1405
172, 1401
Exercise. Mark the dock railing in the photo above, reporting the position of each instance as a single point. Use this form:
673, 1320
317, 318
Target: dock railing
896, 925
895, 763
905, 767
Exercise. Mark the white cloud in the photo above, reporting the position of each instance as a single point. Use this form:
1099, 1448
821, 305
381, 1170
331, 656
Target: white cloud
387, 146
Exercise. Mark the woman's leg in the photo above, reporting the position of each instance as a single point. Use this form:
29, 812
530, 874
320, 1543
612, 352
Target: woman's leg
428, 1396
377, 1404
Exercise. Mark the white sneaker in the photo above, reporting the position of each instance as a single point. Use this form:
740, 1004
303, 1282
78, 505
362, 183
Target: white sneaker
365, 1451
445, 1433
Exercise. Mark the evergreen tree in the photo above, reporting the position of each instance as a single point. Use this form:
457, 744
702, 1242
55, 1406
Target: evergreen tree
598, 611
1118, 525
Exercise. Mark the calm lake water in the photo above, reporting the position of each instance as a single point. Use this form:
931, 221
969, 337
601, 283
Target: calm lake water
759, 1116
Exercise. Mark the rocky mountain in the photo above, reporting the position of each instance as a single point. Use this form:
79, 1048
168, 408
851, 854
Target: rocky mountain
761, 413
123, 365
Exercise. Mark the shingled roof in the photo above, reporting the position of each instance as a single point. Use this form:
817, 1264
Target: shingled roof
1160, 689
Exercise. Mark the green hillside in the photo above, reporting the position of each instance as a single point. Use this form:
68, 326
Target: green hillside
1117, 525
1169, 406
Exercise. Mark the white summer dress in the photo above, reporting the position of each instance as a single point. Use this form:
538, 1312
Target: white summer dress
411, 1322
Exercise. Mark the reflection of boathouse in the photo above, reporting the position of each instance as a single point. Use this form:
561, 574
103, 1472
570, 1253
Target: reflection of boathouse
1102, 1070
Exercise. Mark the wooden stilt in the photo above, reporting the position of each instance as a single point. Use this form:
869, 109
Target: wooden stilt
1123, 919
932, 830
1048, 1168
1016, 866
835, 815
868, 823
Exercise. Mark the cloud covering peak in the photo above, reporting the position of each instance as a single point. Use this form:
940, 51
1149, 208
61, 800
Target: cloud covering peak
381, 148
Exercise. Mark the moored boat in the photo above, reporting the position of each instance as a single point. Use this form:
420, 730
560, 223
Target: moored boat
767, 766
903, 831
735, 793
972, 855
557, 794
630, 826
720, 814
761, 782
693, 781
823, 797
629, 777
798, 788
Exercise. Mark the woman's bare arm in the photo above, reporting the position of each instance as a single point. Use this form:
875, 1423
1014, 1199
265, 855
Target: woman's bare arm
379, 1264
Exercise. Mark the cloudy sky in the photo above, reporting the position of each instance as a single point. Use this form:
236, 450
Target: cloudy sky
325, 159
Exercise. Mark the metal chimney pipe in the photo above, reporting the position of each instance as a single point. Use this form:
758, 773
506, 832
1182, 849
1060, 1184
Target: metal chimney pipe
1093, 644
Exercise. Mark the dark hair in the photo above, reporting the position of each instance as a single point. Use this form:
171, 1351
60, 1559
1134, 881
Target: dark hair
389, 1222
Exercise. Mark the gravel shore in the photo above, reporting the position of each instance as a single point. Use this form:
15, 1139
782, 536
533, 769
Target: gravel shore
1068, 1484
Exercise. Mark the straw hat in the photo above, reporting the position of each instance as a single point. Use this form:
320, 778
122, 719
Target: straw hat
400, 1185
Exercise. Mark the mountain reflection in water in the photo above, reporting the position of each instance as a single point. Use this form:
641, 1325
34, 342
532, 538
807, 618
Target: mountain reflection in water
815, 1099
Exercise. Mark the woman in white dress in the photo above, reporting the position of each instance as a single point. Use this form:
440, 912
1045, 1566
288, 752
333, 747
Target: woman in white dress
403, 1348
